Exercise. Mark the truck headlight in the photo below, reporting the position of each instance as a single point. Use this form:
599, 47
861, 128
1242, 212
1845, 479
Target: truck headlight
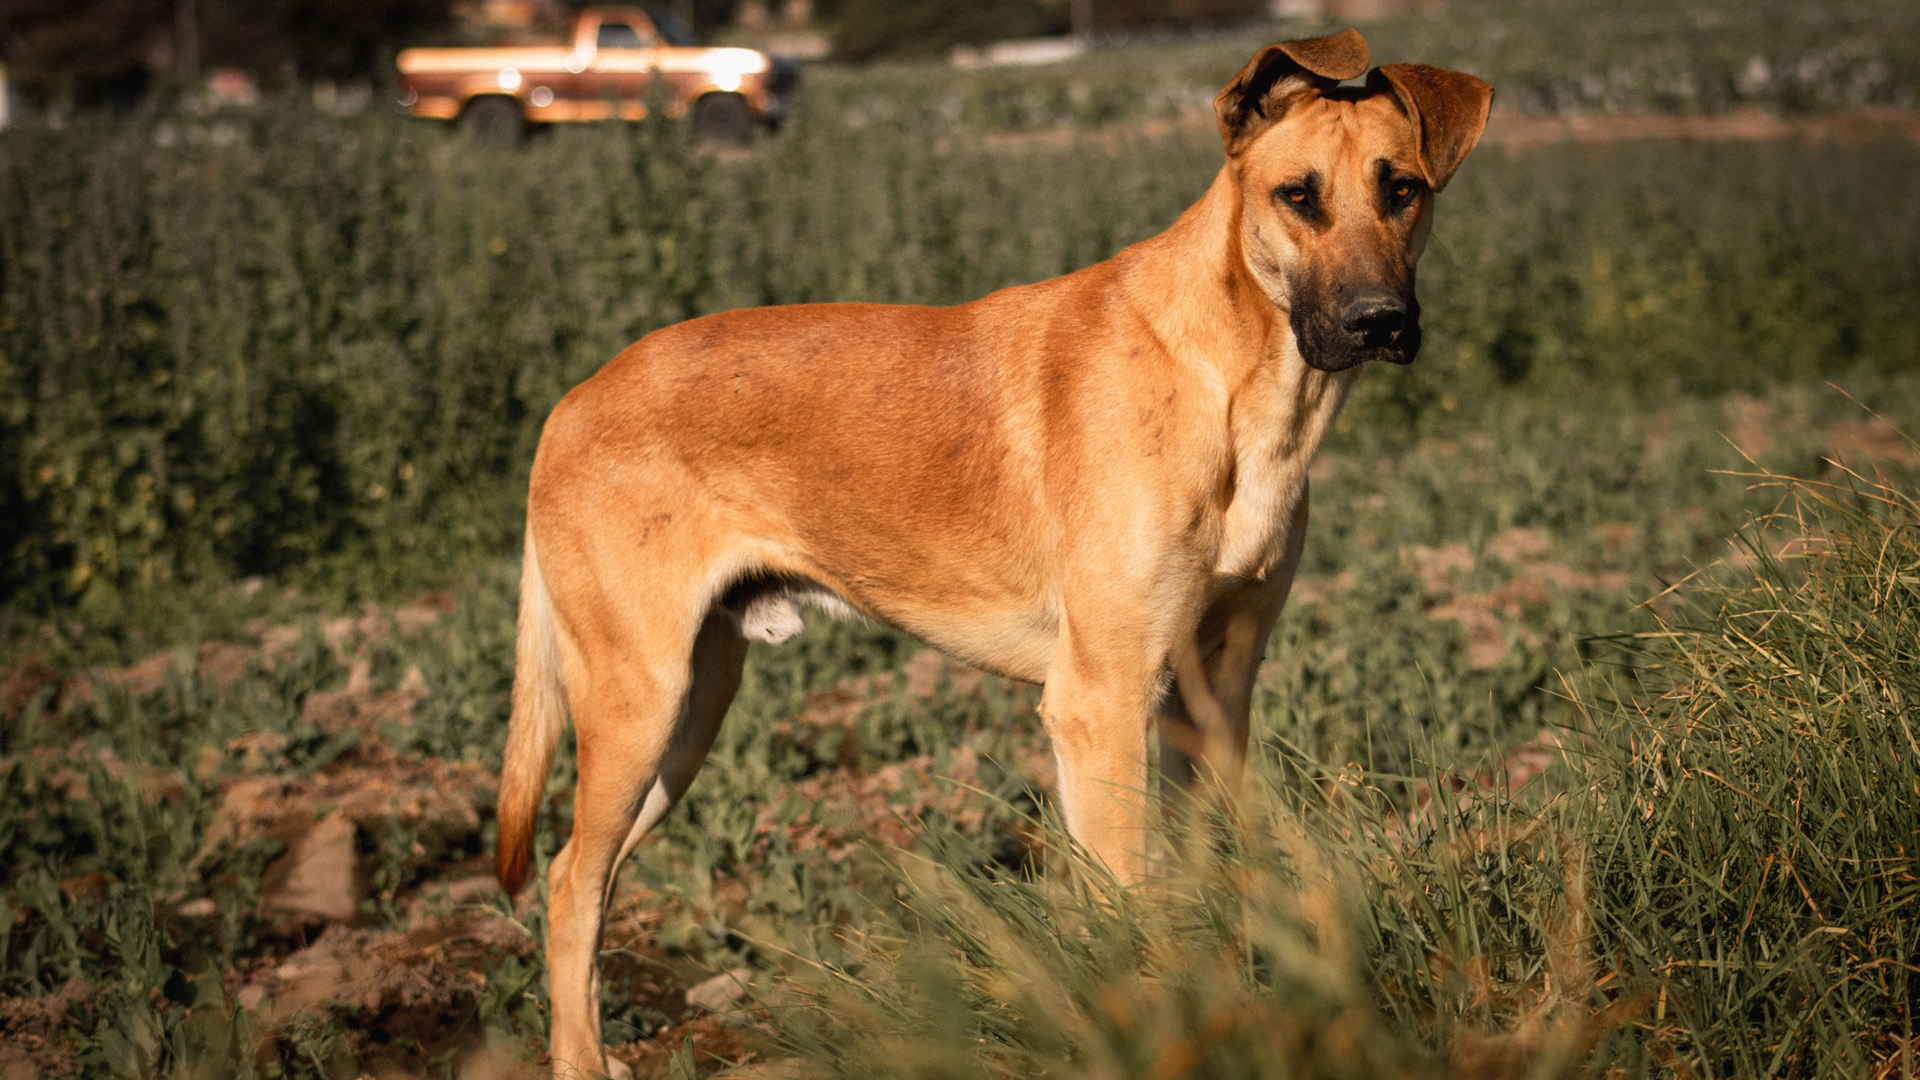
729, 67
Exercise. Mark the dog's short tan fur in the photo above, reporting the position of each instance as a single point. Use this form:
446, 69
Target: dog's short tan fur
1096, 482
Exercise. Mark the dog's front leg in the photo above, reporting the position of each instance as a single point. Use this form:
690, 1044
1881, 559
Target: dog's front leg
1097, 708
1231, 643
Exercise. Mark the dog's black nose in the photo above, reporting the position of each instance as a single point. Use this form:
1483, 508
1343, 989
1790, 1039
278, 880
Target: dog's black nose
1374, 320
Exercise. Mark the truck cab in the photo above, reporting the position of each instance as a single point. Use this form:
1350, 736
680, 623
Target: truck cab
617, 63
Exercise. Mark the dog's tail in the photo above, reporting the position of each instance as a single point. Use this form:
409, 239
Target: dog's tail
539, 712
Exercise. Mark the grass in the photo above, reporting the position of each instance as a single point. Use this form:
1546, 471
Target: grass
1383, 682
1716, 879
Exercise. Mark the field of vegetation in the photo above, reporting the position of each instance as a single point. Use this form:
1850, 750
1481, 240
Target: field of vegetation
1587, 745
1564, 55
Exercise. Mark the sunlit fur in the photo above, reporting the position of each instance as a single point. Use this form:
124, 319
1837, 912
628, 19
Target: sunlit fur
1087, 482
1310, 266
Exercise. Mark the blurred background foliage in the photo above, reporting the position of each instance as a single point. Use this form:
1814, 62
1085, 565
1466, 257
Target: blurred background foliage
290, 343
119, 53
1542, 53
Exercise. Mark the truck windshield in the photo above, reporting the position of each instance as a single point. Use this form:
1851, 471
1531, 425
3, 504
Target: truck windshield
618, 35
673, 29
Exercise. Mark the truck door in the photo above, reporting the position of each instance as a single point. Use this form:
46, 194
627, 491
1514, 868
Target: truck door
622, 65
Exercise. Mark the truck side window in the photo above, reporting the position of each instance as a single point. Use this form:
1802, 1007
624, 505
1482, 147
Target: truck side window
619, 35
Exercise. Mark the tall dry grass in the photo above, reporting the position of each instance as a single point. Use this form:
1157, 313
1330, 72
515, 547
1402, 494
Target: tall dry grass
1719, 878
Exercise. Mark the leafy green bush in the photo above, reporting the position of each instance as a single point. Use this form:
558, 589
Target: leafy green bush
299, 346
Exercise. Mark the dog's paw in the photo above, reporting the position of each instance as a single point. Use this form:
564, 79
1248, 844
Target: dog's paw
613, 1069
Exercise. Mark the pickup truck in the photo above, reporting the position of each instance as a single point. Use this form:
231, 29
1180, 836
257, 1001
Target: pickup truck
618, 62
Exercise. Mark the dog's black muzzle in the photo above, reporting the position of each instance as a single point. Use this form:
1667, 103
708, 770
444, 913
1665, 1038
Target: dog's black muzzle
1373, 324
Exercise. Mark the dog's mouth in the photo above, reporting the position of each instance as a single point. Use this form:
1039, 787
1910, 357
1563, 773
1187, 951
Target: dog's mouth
1327, 342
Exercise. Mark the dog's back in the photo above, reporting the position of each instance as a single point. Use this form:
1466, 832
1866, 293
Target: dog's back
916, 461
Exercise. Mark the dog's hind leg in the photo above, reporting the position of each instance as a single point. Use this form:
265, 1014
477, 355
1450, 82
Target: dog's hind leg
629, 690
719, 654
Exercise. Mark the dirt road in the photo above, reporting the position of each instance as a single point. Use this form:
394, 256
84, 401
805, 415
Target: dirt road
1520, 131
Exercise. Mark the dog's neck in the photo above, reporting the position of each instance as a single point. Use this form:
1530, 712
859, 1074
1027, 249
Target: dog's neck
1193, 286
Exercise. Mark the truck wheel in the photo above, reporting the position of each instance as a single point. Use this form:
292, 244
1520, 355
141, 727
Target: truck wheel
493, 119
723, 119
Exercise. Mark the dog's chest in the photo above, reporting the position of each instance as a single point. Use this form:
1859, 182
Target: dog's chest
1253, 529
1276, 436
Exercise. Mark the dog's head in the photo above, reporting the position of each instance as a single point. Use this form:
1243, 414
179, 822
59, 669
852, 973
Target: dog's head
1337, 185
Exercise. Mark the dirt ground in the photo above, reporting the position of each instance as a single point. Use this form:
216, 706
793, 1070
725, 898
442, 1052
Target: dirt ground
1518, 131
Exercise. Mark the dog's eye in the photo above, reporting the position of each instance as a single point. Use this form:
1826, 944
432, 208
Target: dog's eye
1401, 192
1298, 196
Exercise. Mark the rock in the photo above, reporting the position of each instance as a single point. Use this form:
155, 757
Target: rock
928, 669
414, 618
439, 804
360, 677
276, 642
1516, 546
15, 1064
721, 993
314, 975
445, 896
138, 680
469, 890
22, 682
222, 663
87, 888
320, 876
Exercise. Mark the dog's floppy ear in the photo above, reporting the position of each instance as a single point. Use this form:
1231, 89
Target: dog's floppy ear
1257, 96
1448, 109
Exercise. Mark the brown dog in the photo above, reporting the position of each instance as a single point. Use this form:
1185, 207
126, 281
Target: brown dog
1093, 483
